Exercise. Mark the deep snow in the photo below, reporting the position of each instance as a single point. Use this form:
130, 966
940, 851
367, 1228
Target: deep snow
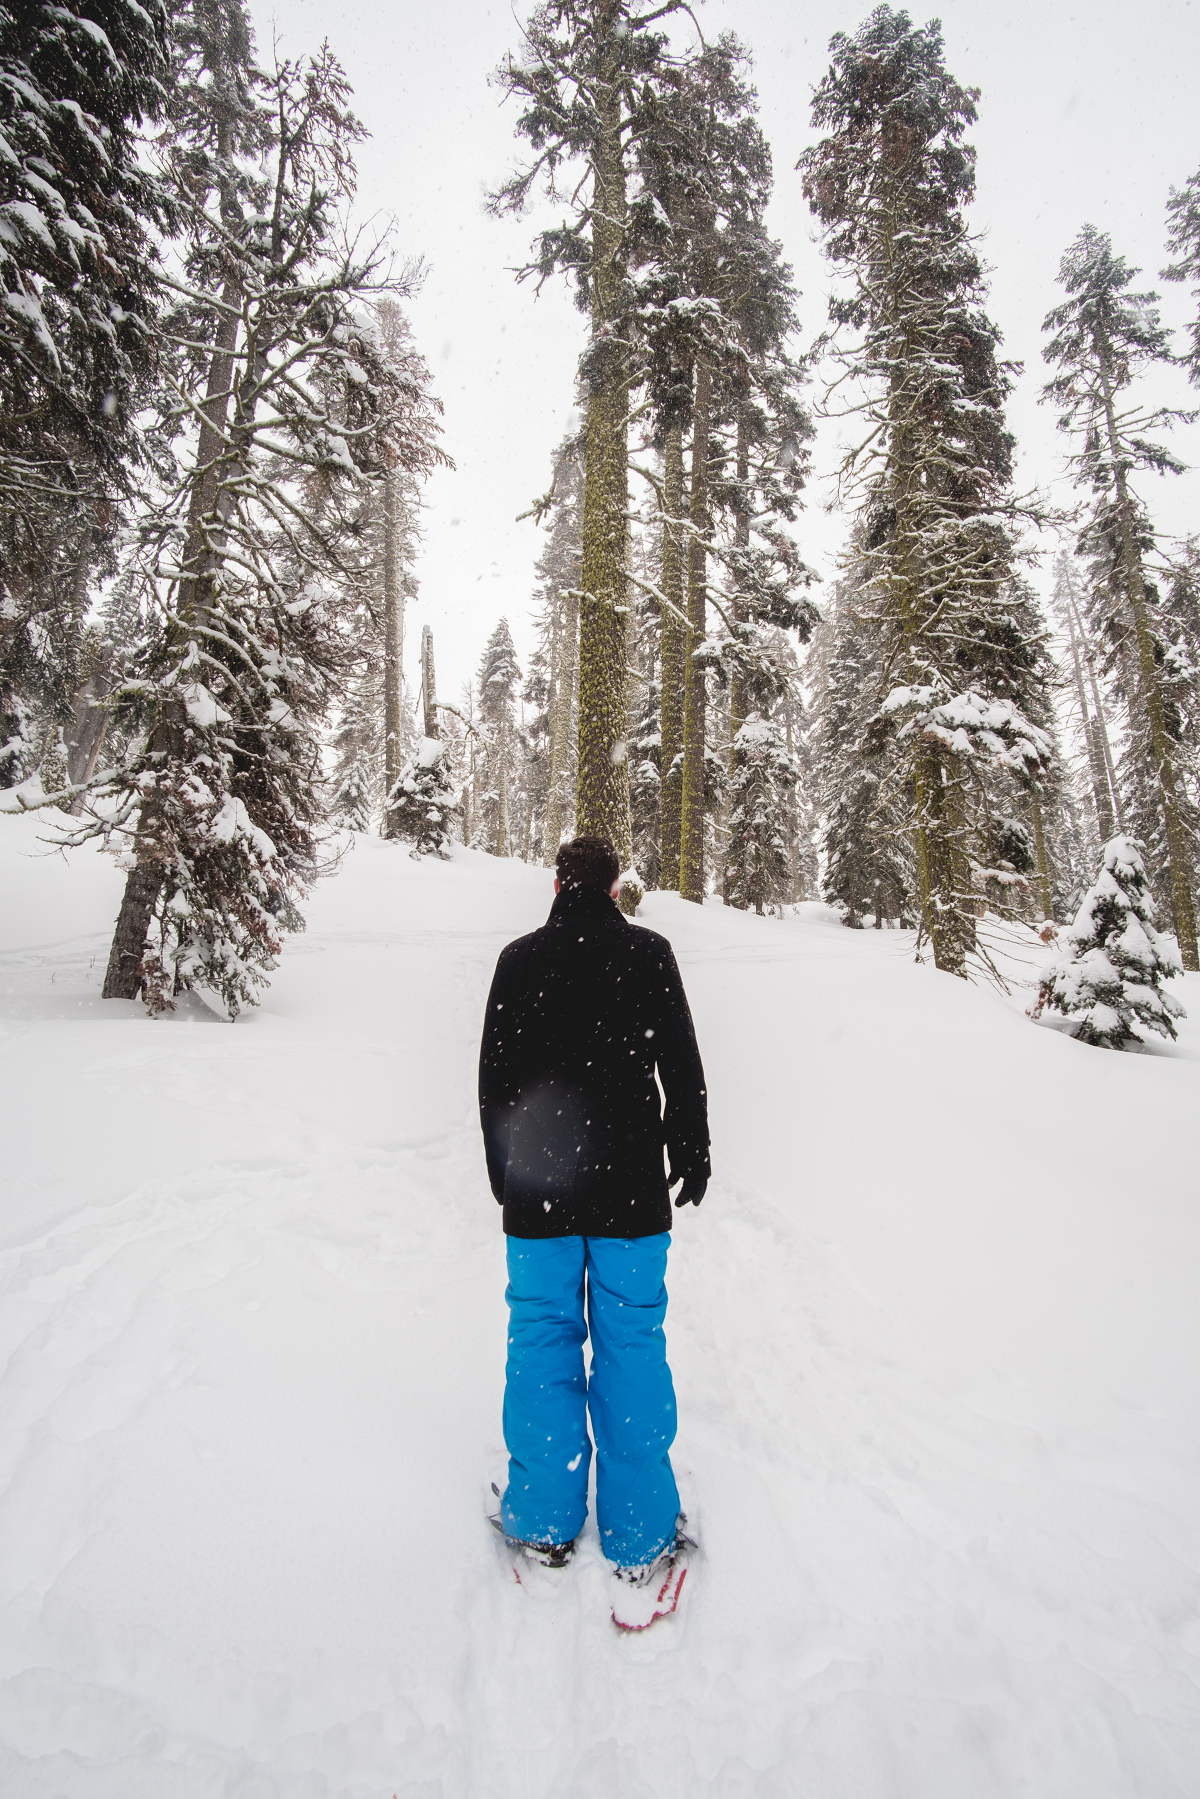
935, 1335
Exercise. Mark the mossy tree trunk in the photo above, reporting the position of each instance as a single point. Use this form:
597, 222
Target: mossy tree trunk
942, 876
564, 700
501, 848
602, 805
673, 658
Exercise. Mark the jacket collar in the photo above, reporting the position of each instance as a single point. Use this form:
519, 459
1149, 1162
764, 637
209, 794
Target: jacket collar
584, 902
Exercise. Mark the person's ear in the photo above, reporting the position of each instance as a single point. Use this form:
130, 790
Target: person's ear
614, 891
556, 883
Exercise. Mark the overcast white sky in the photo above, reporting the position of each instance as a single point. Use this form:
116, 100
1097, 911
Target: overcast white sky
1087, 113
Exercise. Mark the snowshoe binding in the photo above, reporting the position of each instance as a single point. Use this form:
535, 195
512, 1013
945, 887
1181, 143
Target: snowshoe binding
542, 1555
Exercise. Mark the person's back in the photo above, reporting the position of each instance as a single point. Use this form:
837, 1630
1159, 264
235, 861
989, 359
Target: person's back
582, 1016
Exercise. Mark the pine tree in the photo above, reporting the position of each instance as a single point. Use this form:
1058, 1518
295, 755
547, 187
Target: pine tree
499, 675
1183, 236
1103, 336
78, 213
1177, 596
421, 806
757, 850
285, 407
716, 306
559, 574
537, 708
867, 854
587, 81
889, 183
643, 650
645, 782
802, 803
358, 789
354, 803
1111, 973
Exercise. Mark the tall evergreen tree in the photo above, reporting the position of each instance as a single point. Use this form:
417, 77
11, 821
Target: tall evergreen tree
867, 848
889, 182
283, 404
559, 574
716, 308
499, 678
586, 79
78, 209
1103, 336
1183, 237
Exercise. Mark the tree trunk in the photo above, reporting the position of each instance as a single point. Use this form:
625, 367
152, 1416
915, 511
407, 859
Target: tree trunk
391, 651
672, 660
691, 846
1101, 797
468, 798
428, 684
556, 652
741, 537
1044, 883
560, 750
940, 861
794, 893
602, 807
123, 976
1100, 726
1160, 743
501, 790
90, 723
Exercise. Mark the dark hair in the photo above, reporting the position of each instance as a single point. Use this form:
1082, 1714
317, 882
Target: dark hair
587, 862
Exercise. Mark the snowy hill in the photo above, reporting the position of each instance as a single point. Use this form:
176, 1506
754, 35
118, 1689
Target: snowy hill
934, 1332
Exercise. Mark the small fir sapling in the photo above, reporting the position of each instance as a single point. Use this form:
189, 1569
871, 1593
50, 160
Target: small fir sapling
421, 806
352, 805
757, 848
1111, 973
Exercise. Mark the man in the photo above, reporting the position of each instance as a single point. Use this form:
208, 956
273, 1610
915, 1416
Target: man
581, 1016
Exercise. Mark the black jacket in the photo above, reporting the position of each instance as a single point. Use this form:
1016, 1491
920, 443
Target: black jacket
580, 1015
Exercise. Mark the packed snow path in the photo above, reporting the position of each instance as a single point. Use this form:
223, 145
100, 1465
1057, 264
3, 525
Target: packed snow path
935, 1334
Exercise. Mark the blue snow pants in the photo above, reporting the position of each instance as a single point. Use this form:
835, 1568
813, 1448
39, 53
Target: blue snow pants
630, 1393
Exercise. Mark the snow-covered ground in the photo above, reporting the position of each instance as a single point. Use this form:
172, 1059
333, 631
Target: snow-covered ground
935, 1333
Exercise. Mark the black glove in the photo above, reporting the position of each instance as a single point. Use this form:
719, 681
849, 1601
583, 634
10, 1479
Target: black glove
694, 1187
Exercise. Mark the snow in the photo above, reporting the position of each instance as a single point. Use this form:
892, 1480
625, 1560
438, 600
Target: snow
934, 1333
202, 708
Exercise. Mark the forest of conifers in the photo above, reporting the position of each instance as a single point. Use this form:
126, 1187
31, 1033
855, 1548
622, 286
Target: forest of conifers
215, 425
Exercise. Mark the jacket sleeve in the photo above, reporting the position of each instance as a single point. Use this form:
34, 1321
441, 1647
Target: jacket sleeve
497, 1077
685, 1117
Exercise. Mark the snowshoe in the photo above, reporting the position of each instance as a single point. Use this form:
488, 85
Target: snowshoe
643, 1595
